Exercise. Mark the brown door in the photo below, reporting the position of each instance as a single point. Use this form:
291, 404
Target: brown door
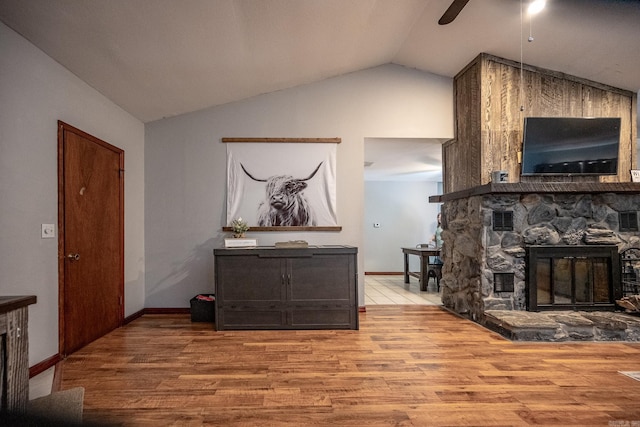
91, 240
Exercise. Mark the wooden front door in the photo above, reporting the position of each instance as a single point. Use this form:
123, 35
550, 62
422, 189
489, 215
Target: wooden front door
91, 237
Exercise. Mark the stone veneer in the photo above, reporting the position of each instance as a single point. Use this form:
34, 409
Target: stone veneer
543, 214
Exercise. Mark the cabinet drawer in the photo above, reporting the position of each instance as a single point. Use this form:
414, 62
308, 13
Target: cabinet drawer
251, 318
321, 318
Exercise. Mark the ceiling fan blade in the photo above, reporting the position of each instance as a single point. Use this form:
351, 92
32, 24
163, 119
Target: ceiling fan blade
453, 11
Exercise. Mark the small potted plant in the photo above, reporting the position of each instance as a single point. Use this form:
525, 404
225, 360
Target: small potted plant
239, 227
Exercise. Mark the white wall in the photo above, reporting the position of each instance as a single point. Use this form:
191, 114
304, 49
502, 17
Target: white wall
36, 92
406, 219
185, 164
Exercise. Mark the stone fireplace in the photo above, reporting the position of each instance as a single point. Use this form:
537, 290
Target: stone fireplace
536, 246
494, 230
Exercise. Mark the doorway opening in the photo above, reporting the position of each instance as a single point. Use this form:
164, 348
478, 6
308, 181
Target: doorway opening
399, 176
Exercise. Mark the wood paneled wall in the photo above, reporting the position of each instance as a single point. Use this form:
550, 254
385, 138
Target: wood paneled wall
489, 93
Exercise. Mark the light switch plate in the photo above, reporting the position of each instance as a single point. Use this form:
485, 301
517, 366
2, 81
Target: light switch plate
48, 231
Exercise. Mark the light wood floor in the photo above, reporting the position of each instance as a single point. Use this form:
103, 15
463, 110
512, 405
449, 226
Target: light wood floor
407, 366
391, 289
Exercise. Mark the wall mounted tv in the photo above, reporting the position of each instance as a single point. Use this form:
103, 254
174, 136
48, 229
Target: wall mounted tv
570, 146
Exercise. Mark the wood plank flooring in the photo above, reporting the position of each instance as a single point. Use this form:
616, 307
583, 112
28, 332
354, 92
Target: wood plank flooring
406, 366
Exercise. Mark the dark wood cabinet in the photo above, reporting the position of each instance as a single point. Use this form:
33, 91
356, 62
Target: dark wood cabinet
292, 288
14, 353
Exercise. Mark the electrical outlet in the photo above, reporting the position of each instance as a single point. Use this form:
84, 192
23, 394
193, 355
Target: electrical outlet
48, 231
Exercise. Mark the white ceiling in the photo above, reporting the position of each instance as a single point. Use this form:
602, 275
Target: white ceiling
403, 159
160, 58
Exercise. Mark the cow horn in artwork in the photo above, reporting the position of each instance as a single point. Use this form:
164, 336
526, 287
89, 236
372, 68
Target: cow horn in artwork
251, 176
265, 180
313, 173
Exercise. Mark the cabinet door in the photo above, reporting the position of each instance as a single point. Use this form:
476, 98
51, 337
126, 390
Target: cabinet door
250, 292
322, 292
322, 278
250, 279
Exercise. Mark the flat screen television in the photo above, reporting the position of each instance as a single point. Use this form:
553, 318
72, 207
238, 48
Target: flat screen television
570, 146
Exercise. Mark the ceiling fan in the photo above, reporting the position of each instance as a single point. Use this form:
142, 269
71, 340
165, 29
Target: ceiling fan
456, 7
452, 12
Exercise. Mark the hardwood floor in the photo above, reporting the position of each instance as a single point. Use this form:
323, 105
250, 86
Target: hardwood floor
406, 366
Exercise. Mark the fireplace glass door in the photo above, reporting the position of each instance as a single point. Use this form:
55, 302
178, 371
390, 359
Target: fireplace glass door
579, 279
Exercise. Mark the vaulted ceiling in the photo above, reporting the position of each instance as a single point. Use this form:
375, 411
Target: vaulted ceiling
160, 58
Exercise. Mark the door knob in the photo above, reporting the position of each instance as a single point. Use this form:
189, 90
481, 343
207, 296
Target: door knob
74, 257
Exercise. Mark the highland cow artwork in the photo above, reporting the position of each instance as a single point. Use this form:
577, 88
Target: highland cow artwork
281, 184
285, 202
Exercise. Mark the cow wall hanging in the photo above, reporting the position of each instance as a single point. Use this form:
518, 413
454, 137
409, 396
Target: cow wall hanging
280, 184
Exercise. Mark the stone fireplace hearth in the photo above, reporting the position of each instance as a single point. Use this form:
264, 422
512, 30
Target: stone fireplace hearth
488, 230
564, 325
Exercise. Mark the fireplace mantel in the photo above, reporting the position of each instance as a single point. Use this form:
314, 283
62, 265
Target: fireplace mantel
539, 188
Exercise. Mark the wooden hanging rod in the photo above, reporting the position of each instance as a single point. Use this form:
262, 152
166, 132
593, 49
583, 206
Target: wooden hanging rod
292, 228
304, 140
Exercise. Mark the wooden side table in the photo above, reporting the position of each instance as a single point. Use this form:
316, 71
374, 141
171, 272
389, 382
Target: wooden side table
424, 254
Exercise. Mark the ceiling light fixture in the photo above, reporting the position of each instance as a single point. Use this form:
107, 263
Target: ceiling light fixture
520, 92
536, 6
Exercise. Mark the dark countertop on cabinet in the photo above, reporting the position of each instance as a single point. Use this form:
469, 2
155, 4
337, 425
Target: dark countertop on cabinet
274, 251
10, 303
